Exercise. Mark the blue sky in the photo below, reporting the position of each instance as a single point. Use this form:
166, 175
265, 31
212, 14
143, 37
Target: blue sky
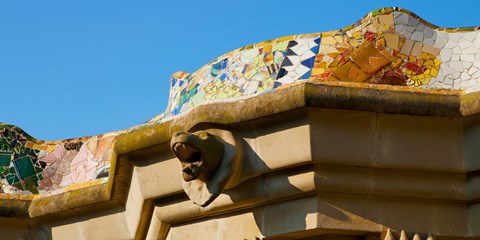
77, 68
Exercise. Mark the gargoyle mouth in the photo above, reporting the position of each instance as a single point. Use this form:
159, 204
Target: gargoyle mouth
191, 160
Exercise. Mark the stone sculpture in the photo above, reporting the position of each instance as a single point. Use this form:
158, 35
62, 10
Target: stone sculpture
211, 162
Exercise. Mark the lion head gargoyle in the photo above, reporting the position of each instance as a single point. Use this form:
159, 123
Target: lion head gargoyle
209, 159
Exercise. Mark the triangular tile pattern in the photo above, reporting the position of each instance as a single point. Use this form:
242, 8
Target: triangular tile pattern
299, 60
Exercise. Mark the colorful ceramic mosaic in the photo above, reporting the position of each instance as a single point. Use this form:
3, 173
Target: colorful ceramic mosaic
389, 47
28, 165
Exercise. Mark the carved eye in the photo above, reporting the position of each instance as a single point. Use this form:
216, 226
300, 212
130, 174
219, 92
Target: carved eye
203, 135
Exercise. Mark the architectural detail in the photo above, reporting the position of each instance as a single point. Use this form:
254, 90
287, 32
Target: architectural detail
311, 136
211, 160
402, 235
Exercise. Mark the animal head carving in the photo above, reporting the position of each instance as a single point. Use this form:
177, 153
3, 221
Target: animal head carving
209, 159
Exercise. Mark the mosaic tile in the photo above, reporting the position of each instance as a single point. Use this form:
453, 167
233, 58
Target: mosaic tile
390, 48
28, 165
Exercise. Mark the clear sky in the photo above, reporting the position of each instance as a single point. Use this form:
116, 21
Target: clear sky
76, 68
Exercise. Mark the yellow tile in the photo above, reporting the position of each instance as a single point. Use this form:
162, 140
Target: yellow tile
420, 61
267, 49
317, 71
261, 44
328, 41
287, 38
397, 63
380, 42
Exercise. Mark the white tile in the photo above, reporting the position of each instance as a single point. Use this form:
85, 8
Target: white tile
467, 65
472, 83
440, 74
285, 79
448, 81
470, 36
464, 77
420, 27
446, 54
447, 70
455, 57
474, 88
476, 42
399, 29
430, 34
470, 50
417, 36
472, 70
402, 19
457, 65
301, 70
444, 35
429, 42
440, 42
457, 50
455, 36
407, 34
465, 44
295, 60
456, 75
451, 44
409, 29
468, 57
413, 21
476, 75
308, 54
312, 44
476, 64
299, 49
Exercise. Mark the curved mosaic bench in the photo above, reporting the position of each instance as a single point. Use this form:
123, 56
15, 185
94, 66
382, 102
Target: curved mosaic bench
389, 61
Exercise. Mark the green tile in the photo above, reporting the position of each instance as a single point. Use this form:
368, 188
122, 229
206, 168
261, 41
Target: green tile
31, 183
24, 167
4, 146
5, 158
18, 185
12, 178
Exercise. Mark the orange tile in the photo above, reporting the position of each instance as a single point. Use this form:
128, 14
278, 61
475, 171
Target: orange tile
350, 72
370, 59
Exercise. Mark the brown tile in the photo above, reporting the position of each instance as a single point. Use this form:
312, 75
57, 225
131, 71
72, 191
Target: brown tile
392, 40
407, 47
430, 49
417, 48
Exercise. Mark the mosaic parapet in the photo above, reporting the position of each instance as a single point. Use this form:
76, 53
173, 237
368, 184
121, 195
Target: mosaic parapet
388, 47
389, 61
31, 166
